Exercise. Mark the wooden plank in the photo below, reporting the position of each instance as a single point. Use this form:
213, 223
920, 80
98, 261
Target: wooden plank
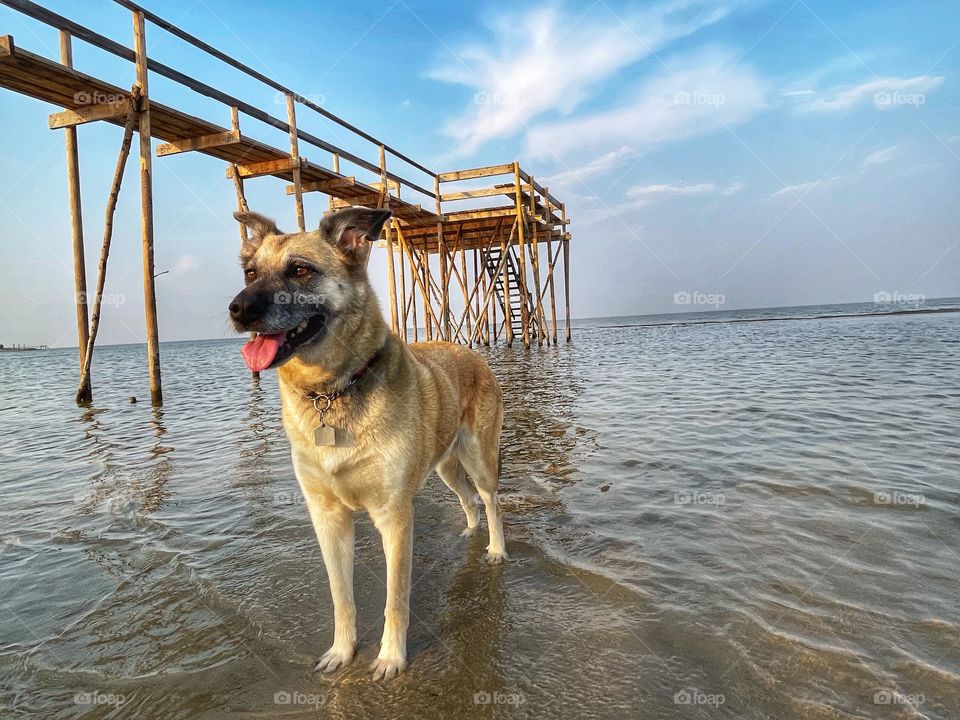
476, 172
7, 47
324, 186
270, 167
230, 137
89, 113
467, 194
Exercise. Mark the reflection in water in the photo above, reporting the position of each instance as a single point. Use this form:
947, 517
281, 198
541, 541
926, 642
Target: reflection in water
688, 508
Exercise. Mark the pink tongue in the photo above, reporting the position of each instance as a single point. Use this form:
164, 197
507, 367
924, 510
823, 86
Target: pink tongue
260, 352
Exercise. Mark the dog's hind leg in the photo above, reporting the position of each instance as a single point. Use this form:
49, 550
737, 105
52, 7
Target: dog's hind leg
482, 462
452, 473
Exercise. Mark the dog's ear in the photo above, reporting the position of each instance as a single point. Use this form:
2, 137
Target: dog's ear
258, 227
352, 230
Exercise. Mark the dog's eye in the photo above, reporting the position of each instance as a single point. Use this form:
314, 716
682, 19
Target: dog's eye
250, 274
301, 271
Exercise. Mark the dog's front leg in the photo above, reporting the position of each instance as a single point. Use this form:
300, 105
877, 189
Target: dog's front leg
333, 523
395, 524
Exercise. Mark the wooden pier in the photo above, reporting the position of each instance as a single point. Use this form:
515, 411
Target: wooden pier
473, 254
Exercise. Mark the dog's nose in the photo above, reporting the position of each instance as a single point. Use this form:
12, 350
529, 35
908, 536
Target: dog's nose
246, 309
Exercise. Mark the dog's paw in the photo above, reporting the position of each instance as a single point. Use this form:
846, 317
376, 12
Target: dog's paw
469, 531
333, 659
388, 667
495, 558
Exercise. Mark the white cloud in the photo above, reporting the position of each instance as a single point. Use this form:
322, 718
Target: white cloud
550, 58
800, 190
641, 196
186, 263
601, 165
695, 96
884, 93
880, 157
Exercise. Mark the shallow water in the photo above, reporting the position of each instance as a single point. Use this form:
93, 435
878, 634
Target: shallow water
733, 520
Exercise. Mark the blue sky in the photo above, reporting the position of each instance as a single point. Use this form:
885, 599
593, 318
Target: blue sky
766, 153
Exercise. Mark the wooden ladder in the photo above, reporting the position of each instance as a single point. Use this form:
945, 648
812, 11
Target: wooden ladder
492, 262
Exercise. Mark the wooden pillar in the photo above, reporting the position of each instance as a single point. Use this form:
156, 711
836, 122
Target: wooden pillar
413, 294
553, 297
566, 266
425, 272
535, 262
467, 307
391, 271
295, 155
403, 291
444, 329
146, 209
507, 311
241, 202
336, 168
76, 225
522, 270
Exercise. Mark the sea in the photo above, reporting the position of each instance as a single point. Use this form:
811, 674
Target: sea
736, 514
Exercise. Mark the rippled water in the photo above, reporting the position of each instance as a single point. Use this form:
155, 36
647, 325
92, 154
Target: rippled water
749, 520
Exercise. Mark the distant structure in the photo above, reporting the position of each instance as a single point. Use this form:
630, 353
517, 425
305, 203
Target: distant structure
499, 259
21, 348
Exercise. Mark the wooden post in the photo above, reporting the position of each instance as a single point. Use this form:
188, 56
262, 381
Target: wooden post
146, 209
444, 329
553, 296
403, 290
522, 270
295, 155
535, 262
566, 266
413, 292
84, 392
467, 307
391, 276
241, 203
76, 225
507, 311
425, 289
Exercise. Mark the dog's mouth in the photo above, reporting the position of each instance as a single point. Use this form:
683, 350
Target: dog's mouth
270, 350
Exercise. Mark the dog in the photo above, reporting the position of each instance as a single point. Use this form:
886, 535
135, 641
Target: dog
368, 416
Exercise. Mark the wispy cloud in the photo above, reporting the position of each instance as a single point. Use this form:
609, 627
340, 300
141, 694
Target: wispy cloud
883, 93
550, 59
642, 196
602, 165
696, 95
879, 157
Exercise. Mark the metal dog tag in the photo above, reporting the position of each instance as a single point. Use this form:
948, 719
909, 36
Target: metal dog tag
324, 436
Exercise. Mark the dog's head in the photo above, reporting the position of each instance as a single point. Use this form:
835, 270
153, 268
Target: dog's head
301, 286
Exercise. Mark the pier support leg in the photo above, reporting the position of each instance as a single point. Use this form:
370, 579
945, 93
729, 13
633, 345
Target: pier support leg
146, 207
76, 227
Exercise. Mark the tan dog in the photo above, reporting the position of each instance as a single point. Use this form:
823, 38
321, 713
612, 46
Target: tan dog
368, 416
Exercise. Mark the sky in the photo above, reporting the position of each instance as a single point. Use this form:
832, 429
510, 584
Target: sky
711, 153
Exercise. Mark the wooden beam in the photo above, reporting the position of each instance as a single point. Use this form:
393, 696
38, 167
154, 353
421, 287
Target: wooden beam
7, 47
522, 280
269, 167
230, 137
295, 158
323, 186
90, 113
76, 215
475, 173
391, 271
468, 194
146, 209
566, 271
